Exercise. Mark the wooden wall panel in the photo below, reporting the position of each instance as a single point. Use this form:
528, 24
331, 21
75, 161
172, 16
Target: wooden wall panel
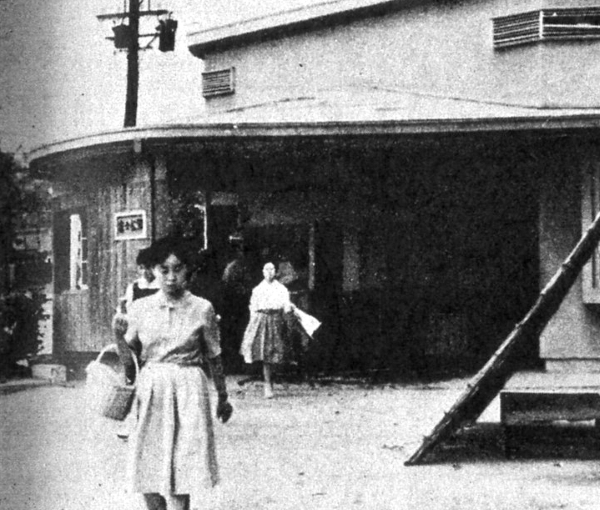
101, 296
162, 204
83, 318
72, 321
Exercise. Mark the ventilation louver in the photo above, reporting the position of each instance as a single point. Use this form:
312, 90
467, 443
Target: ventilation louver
218, 83
546, 25
517, 29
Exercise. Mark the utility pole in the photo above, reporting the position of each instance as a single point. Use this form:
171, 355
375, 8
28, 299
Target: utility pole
133, 65
126, 37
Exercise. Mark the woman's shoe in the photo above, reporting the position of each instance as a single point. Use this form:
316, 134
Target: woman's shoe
268, 392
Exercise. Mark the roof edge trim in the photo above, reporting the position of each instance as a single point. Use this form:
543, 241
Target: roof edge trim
126, 140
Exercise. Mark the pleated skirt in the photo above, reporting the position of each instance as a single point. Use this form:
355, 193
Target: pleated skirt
265, 338
172, 449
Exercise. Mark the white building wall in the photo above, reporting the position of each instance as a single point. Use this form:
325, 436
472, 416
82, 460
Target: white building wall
431, 50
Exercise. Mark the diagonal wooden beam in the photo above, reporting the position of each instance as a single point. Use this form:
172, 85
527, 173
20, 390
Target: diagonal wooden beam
486, 384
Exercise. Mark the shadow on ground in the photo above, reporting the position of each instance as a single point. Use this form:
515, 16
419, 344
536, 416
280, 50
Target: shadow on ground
483, 442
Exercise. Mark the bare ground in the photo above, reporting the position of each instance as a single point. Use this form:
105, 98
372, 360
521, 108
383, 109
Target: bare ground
331, 446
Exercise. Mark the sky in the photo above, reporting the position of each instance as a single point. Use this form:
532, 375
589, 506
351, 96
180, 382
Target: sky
62, 79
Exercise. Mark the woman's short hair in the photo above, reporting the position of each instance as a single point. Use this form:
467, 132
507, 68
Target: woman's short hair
269, 263
161, 249
142, 258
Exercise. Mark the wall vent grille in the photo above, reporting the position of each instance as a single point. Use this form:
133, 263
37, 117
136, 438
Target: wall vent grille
516, 29
218, 83
546, 25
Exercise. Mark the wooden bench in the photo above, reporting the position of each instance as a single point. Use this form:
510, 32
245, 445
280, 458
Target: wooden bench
535, 398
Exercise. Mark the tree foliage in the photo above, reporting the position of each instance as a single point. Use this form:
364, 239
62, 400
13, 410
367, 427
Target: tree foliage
24, 203
11, 198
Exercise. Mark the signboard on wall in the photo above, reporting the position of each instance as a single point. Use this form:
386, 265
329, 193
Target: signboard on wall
130, 225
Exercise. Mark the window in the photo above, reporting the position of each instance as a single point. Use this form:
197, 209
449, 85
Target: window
590, 208
78, 254
218, 83
71, 251
546, 25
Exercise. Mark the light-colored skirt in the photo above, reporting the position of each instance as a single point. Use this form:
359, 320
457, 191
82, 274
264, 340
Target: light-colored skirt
265, 338
172, 447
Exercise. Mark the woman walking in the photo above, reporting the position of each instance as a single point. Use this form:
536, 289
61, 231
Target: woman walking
265, 338
172, 448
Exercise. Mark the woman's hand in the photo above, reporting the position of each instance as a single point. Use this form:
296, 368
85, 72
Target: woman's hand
224, 410
119, 325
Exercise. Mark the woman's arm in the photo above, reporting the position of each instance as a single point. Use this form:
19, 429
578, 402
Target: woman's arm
253, 301
126, 354
218, 375
224, 408
287, 302
125, 332
212, 337
128, 297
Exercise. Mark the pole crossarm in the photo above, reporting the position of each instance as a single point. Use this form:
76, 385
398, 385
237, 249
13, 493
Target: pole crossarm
111, 38
123, 15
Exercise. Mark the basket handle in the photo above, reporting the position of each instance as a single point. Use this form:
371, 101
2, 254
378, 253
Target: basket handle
114, 348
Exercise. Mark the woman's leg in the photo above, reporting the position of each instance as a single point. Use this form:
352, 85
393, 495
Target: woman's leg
268, 382
155, 501
179, 502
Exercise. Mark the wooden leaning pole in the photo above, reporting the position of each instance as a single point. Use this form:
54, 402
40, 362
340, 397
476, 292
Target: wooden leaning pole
486, 384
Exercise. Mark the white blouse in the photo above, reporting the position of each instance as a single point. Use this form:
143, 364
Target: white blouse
182, 332
270, 296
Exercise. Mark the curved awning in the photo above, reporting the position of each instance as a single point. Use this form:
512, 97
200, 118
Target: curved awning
333, 113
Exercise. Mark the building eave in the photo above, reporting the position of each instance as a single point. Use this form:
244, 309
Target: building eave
202, 41
130, 141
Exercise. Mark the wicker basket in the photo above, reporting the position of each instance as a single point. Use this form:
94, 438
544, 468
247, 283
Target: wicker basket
107, 393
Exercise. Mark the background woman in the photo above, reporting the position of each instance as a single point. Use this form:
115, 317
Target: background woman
172, 449
265, 338
146, 284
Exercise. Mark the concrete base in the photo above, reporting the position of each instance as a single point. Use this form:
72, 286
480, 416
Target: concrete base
553, 380
573, 365
16, 385
539, 398
51, 372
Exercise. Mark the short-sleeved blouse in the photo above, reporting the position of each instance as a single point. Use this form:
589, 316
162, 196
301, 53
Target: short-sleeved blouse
270, 296
181, 332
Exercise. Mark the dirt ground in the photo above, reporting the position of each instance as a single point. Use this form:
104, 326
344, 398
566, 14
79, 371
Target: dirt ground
332, 446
